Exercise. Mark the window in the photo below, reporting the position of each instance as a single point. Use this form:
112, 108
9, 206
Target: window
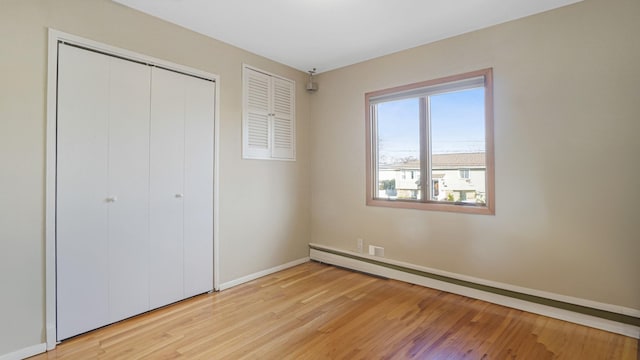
442, 132
268, 121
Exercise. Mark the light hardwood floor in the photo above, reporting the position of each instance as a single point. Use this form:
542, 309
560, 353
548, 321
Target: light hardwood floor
317, 311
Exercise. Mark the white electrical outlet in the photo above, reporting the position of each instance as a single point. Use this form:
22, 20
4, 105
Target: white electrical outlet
360, 245
376, 251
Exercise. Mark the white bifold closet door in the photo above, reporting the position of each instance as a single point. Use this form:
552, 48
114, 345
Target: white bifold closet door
181, 187
102, 190
134, 189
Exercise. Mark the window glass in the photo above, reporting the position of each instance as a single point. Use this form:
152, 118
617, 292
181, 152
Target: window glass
398, 144
457, 144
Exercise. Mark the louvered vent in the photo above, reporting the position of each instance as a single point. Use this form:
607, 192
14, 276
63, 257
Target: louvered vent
282, 98
258, 94
258, 129
268, 116
282, 134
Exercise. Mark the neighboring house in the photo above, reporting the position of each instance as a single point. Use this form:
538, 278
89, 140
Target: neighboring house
455, 177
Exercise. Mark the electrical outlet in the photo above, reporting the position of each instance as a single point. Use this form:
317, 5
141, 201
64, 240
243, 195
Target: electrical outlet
376, 251
360, 245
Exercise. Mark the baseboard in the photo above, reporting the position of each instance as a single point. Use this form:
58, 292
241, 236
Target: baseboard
25, 353
390, 269
262, 273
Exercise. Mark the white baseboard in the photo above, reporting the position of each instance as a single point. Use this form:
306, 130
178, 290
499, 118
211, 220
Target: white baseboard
260, 274
25, 353
317, 254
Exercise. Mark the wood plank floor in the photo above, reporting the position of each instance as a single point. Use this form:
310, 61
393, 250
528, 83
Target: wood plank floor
317, 311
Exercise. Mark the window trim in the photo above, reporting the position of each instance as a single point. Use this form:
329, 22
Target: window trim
371, 149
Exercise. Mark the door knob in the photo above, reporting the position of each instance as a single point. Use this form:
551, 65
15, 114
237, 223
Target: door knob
112, 199
179, 196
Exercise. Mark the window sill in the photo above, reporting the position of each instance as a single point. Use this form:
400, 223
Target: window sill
433, 206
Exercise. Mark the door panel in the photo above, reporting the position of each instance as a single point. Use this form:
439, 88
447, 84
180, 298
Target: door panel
81, 204
129, 183
167, 189
198, 200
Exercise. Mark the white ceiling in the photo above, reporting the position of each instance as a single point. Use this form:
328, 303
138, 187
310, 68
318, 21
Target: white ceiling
328, 34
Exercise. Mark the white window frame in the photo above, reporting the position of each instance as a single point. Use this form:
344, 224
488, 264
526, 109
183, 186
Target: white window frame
422, 90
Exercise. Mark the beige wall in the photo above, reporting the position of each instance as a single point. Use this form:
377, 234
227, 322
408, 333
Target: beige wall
567, 109
264, 205
567, 127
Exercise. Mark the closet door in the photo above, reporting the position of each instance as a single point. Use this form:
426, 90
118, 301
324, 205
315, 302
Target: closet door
198, 186
102, 190
129, 93
182, 112
167, 187
82, 192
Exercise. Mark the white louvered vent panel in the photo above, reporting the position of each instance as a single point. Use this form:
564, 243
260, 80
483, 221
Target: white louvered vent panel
258, 131
268, 116
282, 134
283, 96
257, 98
